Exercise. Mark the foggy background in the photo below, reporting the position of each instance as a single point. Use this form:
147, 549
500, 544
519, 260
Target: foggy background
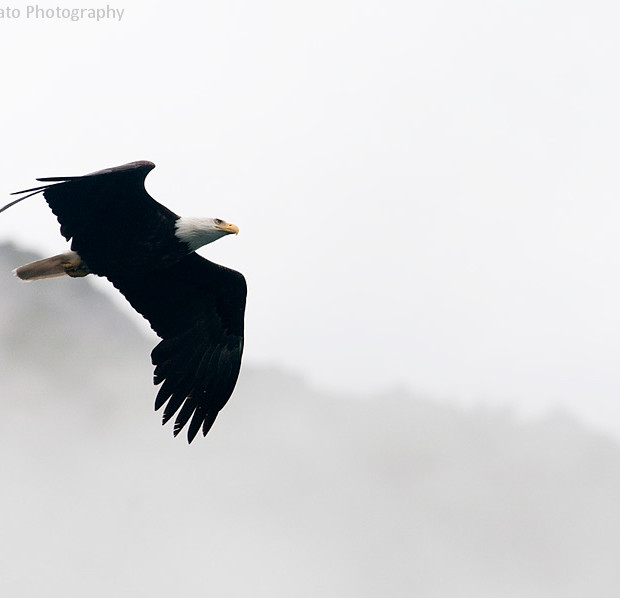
295, 491
426, 194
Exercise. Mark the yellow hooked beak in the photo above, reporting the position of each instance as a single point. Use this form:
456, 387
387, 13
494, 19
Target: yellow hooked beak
228, 228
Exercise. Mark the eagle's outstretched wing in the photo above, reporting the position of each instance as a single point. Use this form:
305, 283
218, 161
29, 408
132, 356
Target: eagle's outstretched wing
197, 308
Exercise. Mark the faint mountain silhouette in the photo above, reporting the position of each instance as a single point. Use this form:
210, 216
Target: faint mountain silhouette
295, 492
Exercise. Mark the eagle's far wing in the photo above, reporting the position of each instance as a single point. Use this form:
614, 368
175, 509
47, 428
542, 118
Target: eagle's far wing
197, 308
110, 219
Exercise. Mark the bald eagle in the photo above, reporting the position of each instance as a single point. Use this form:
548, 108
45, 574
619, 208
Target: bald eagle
118, 231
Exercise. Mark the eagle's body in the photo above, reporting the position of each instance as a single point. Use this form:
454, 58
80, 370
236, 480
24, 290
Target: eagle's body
147, 252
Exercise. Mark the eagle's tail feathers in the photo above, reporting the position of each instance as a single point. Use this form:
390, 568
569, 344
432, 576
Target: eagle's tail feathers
68, 263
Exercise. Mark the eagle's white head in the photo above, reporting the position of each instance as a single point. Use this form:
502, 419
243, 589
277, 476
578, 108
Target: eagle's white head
197, 232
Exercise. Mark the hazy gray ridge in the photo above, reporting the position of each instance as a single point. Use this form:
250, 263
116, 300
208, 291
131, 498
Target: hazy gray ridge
294, 493
49, 306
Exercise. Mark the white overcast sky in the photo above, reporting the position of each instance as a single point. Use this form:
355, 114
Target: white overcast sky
427, 192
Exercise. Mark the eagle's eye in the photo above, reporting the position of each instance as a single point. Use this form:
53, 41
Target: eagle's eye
218, 221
